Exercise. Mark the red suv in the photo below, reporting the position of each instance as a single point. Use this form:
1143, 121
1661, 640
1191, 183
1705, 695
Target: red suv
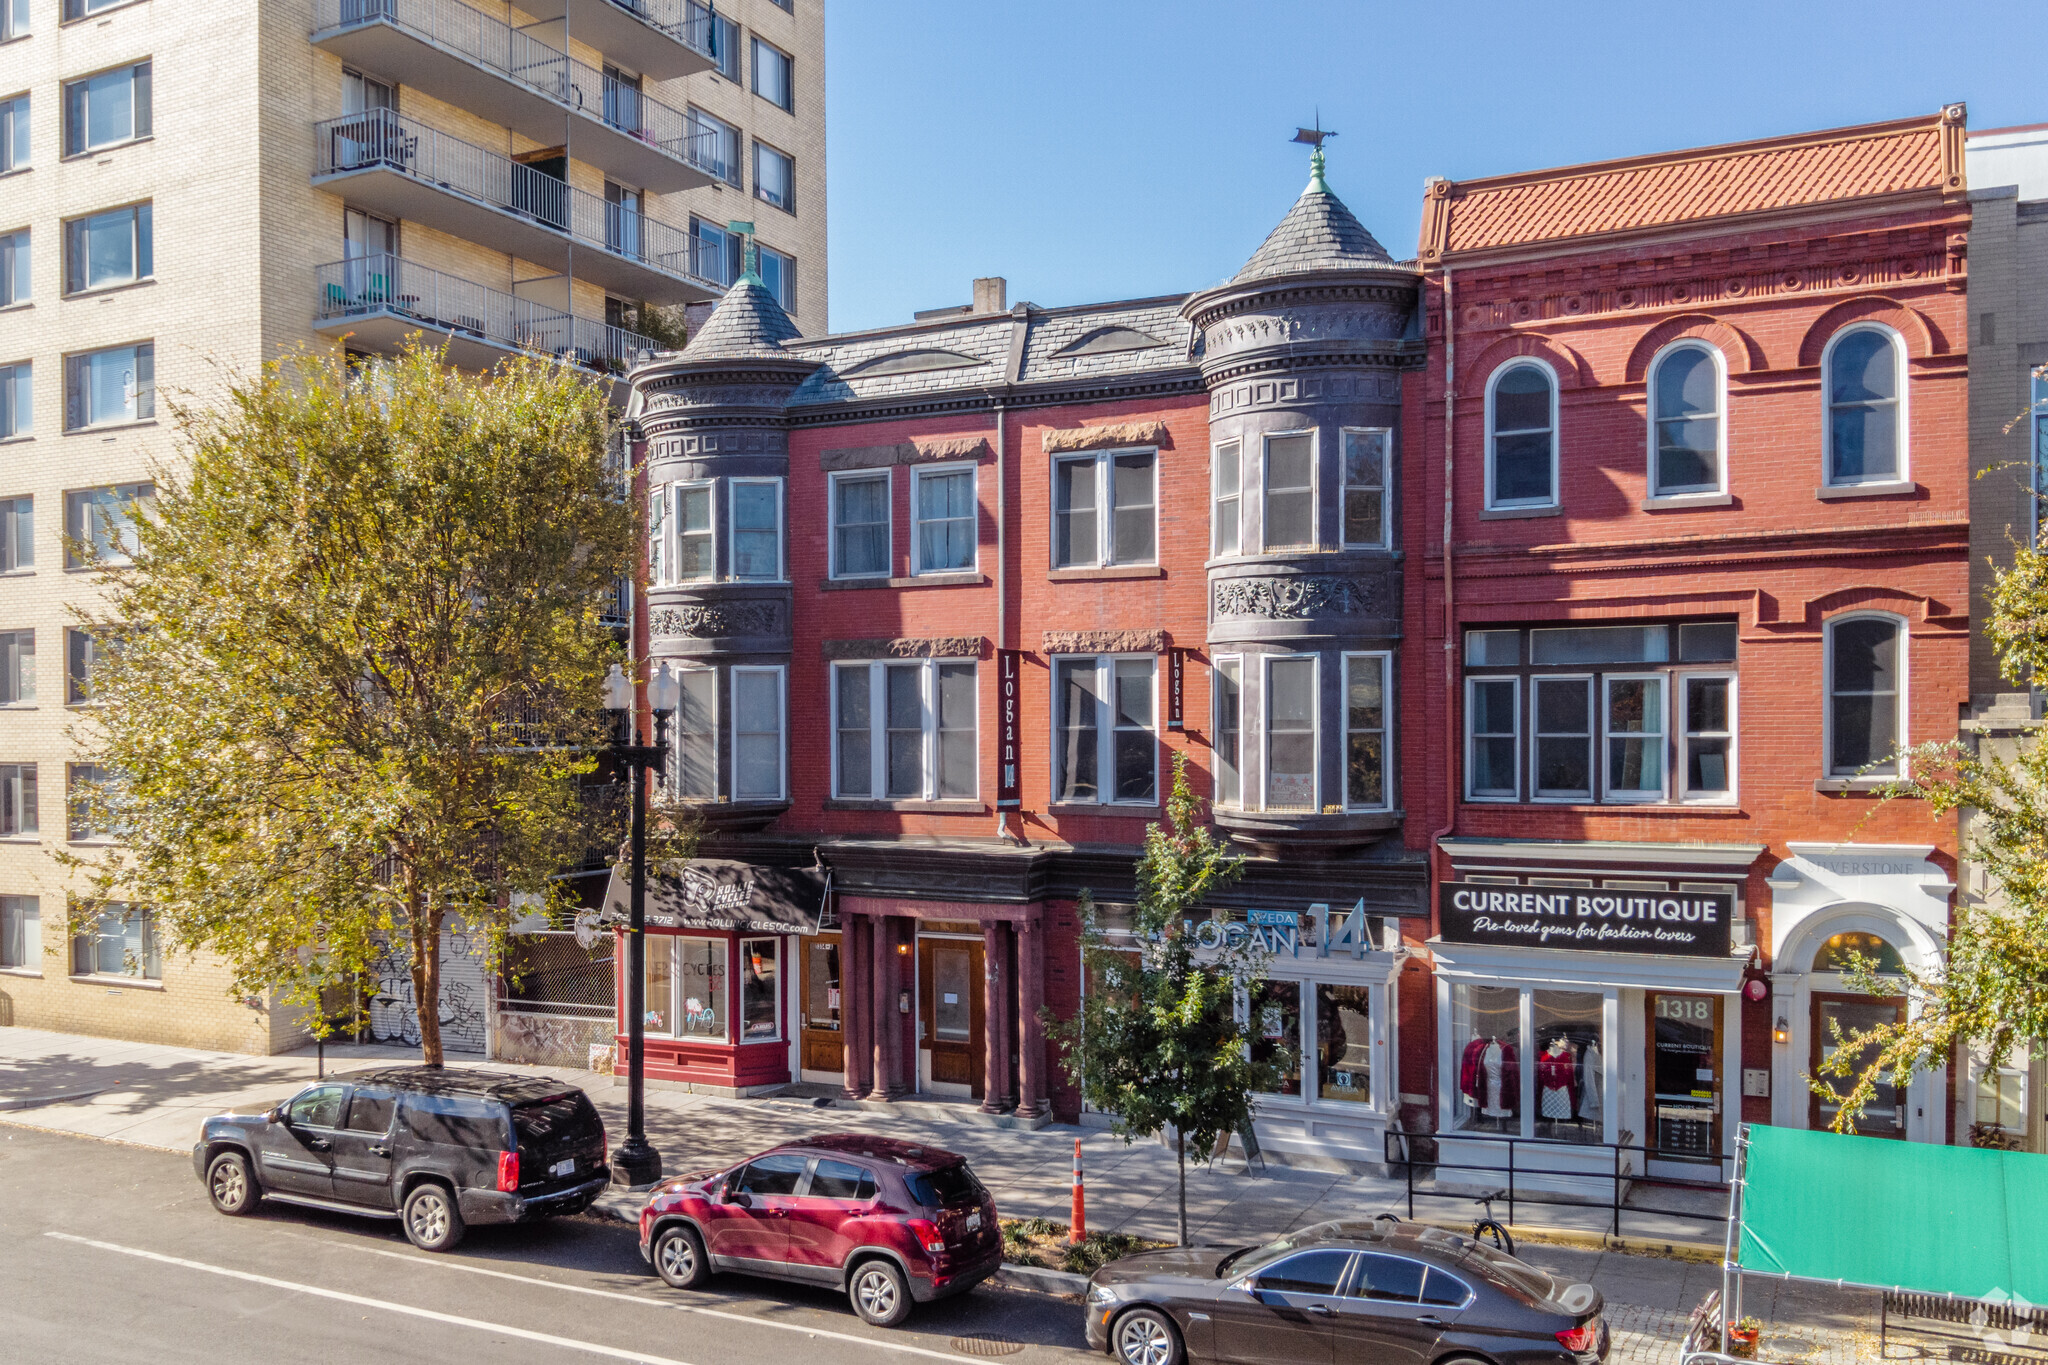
889, 1222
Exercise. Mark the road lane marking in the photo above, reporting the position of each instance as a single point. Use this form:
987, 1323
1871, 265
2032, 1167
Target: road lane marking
441, 1263
546, 1339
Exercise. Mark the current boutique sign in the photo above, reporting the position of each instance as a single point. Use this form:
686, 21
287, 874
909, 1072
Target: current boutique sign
1678, 924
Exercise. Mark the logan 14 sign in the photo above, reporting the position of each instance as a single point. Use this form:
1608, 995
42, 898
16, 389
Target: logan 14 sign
1680, 924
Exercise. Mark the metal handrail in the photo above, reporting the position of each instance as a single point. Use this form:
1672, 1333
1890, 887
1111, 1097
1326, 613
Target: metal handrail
447, 302
541, 67
1405, 1158
378, 139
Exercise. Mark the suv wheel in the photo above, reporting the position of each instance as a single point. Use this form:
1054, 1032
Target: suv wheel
1144, 1336
432, 1221
231, 1185
879, 1292
679, 1257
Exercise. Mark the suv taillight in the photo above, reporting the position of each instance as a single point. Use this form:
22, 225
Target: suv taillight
1581, 1338
928, 1234
508, 1176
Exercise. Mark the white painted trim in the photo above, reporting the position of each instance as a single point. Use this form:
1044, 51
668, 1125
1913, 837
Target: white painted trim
1315, 482
918, 474
675, 531
1682, 767
732, 574
1591, 794
887, 478
1618, 853
1105, 463
780, 673
1266, 728
1105, 728
1216, 666
1236, 446
1663, 735
1514, 680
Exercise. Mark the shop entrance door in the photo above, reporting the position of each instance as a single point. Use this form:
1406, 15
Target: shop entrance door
1684, 1127
824, 1039
1885, 1115
951, 1014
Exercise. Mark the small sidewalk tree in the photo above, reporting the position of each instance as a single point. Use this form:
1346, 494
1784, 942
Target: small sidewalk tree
1159, 1043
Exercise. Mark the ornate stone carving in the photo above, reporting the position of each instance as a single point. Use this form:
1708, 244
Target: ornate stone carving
709, 622
1105, 641
920, 451
939, 647
1297, 597
1107, 436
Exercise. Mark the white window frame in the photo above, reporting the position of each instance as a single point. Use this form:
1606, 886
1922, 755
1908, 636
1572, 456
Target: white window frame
675, 529
14, 20
17, 400
136, 494
781, 676
1386, 487
1624, 796
1385, 732
1105, 727
17, 273
1720, 364
1556, 437
22, 701
1904, 473
674, 776
732, 573
660, 562
1315, 491
136, 414
141, 243
918, 474
17, 133
1217, 669
1902, 729
1514, 682
1217, 497
1105, 513
1594, 746
886, 477
1266, 730
25, 814
1681, 775
878, 729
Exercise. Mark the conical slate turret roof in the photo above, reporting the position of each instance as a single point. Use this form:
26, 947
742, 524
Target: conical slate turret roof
747, 324
1317, 234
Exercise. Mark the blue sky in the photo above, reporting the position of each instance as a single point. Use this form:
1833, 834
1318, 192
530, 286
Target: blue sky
1122, 148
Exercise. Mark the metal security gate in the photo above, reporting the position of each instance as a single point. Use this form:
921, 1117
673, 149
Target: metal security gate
393, 1015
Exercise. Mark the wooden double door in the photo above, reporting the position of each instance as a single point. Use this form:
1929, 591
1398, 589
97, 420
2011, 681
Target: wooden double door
952, 1012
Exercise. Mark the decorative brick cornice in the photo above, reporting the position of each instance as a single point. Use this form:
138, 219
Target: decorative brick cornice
936, 647
1104, 641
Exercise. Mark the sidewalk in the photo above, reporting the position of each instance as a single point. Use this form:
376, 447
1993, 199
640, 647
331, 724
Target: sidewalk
155, 1097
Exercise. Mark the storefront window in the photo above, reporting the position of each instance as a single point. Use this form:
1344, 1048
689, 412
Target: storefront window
1486, 1030
659, 1016
700, 982
1344, 1043
1570, 1104
1276, 1032
759, 980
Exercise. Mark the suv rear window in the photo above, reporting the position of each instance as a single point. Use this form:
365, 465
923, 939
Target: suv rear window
549, 1121
946, 1188
456, 1120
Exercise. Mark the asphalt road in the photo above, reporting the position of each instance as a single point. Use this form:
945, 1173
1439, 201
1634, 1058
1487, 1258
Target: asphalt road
111, 1253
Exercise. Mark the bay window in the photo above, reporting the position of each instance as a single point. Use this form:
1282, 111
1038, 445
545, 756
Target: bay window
1228, 692
757, 747
1291, 734
1365, 487
756, 530
1105, 748
696, 553
1226, 472
1365, 731
1290, 488
1104, 509
905, 731
693, 743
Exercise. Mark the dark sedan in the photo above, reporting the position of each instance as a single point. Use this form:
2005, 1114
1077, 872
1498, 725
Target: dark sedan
1377, 1293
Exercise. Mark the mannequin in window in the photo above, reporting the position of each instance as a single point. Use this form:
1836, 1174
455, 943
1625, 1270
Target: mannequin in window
1591, 1080
1488, 1078
1557, 1080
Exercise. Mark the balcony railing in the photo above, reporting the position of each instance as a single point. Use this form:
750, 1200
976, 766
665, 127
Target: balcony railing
378, 139
521, 57
448, 303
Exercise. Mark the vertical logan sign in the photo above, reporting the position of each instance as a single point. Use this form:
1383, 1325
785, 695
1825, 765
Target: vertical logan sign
1009, 727
1176, 678
1677, 924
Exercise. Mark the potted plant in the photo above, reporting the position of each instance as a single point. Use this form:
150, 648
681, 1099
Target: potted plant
1742, 1335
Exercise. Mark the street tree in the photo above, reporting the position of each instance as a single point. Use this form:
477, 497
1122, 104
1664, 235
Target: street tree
345, 691
1989, 992
1159, 1042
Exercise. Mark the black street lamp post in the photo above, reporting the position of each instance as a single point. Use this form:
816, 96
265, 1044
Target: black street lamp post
635, 1163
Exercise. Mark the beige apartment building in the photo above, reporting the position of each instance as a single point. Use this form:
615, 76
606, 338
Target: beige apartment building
188, 190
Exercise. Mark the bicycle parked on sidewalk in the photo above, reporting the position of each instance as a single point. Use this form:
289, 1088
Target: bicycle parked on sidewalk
1491, 1229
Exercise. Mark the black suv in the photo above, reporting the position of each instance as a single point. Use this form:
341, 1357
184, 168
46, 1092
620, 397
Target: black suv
434, 1148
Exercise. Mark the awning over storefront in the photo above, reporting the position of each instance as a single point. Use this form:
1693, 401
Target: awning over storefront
1895, 1215
715, 893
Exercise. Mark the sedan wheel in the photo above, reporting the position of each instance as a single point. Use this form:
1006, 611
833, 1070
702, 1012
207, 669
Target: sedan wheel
230, 1185
1144, 1337
880, 1294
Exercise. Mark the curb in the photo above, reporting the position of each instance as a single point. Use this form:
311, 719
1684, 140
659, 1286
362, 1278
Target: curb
621, 1206
1032, 1279
38, 1101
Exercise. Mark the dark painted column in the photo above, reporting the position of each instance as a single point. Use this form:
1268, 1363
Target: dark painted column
1031, 1054
995, 1031
883, 1004
901, 1078
856, 1003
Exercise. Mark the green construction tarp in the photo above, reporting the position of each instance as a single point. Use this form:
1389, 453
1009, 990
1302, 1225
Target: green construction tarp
1898, 1215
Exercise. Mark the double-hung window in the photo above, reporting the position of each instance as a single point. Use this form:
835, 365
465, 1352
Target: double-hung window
105, 249
1365, 487
102, 522
21, 932
119, 941
1291, 734
1105, 749
1228, 685
774, 76
757, 732
14, 19
905, 731
1290, 488
860, 524
1687, 430
17, 667
14, 124
1866, 429
1866, 657
1366, 684
17, 534
1104, 509
681, 542
18, 814
115, 385
1601, 713
107, 109
945, 518
694, 767
17, 400
15, 275
774, 177
1521, 436
715, 145
756, 529
1226, 479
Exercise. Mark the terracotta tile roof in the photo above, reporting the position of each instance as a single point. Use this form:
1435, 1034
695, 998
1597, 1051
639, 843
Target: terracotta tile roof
1610, 197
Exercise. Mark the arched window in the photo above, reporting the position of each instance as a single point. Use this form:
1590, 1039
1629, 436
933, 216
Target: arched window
1865, 388
1521, 436
1837, 953
1866, 665
1685, 422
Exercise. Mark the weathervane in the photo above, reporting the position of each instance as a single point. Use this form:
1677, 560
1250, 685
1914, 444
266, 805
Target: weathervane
1314, 137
